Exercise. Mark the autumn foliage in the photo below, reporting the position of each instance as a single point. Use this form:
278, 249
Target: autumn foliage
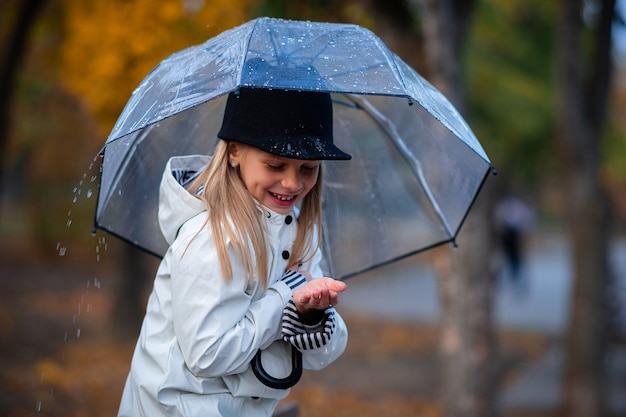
110, 46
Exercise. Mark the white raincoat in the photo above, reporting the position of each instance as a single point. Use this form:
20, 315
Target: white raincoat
201, 332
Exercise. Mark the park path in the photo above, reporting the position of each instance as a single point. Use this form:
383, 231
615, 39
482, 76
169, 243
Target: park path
539, 303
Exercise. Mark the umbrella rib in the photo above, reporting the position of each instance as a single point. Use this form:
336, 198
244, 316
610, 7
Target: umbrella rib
247, 48
391, 58
392, 133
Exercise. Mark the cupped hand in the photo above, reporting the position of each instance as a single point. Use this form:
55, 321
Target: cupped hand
317, 294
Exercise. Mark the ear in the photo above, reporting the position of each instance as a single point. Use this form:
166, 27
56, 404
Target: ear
234, 153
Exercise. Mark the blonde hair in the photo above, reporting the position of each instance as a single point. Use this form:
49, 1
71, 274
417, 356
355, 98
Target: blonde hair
234, 214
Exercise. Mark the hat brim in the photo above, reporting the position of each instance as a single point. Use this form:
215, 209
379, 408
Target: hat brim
305, 148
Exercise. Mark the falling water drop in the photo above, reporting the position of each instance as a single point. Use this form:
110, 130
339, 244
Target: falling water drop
89, 193
61, 249
78, 333
38, 407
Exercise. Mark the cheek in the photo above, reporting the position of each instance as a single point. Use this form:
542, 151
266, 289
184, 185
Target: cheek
310, 183
253, 177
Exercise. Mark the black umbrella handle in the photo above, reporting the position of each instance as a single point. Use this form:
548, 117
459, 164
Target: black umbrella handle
279, 383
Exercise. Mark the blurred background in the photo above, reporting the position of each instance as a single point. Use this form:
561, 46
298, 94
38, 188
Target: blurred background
525, 318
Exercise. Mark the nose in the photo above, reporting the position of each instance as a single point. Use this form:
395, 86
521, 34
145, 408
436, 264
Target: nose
292, 181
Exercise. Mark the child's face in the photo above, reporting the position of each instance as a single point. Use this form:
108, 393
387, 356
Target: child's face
276, 182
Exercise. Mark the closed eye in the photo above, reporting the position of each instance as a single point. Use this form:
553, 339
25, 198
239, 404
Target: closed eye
276, 168
305, 169
308, 170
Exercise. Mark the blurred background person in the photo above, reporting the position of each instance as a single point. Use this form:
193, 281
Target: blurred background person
514, 220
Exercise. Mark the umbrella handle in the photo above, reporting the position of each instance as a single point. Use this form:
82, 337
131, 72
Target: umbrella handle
279, 383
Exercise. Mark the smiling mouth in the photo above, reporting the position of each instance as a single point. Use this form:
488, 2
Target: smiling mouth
280, 197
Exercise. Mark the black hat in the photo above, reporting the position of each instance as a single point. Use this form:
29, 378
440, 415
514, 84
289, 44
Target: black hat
288, 123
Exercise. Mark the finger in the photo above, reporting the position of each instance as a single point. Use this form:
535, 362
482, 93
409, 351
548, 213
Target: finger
303, 298
337, 286
332, 284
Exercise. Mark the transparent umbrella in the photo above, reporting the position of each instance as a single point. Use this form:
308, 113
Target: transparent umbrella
416, 169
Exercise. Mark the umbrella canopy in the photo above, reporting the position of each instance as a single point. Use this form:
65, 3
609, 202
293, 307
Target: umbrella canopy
417, 166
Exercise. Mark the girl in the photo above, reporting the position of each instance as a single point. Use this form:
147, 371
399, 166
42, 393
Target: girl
240, 304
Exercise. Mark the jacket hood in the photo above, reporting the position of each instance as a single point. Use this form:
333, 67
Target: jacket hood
176, 204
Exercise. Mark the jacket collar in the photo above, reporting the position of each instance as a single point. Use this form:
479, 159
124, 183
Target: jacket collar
275, 218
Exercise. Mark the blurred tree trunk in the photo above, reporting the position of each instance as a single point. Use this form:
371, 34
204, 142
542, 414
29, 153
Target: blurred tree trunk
583, 98
467, 343
468, 348
11, 56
